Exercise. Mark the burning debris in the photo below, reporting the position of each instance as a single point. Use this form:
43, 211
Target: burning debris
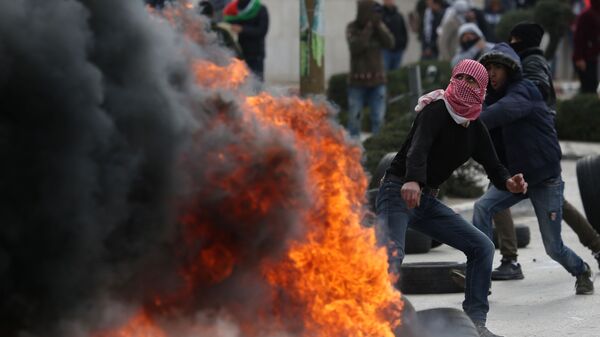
147, 193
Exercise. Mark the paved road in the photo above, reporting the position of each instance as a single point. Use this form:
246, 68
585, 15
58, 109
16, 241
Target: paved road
544, 304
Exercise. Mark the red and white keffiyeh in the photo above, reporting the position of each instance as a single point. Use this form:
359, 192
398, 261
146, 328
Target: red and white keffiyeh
462, 101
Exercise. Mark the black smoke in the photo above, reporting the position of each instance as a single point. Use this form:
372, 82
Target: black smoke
97, 106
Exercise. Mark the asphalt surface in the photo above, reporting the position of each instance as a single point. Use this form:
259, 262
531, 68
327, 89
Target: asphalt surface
543, 304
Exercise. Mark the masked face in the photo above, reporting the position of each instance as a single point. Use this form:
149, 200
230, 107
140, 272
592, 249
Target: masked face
468, 40
517, 45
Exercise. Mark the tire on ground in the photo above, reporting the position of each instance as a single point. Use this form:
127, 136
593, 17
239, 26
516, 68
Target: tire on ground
588, 178
416, 242
429, 278
523, 236
410, 326
446, 322
383, 165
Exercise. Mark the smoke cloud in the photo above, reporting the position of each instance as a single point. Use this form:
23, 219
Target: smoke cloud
105, 142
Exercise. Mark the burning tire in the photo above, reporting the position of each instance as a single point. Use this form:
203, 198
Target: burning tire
523, 236
416, 242
446, 322
429, 278
588, 177
411, 325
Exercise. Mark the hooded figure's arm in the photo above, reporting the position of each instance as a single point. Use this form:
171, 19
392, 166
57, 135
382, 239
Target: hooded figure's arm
358, 40
516, 104
485, 154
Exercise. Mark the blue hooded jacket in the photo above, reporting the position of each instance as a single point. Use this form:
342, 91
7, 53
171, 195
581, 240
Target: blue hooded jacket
520, 122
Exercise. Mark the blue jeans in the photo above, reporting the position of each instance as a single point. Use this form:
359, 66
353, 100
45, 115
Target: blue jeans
547, 200
392, 59
444, 225
375, 98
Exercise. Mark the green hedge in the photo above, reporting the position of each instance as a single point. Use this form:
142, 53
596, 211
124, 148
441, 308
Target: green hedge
579, 118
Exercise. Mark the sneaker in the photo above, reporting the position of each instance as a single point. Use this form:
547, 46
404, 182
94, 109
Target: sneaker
584, 284
509, 269
484, 332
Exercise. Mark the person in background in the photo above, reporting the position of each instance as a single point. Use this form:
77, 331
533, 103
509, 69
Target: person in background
522, 129
493, 11
446, 132
394, 21
454, 17
586, 48
224, 37
250, 20
367, 35
472, 43
525, 39
431, 19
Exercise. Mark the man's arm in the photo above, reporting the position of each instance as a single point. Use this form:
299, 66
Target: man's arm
358, 40
427, 125
385, 37
485, 154
515, 105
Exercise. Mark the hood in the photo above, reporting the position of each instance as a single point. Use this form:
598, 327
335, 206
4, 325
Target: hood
469, 27
365, 10
502, 53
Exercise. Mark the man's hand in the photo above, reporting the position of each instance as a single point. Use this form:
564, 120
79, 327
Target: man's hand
237, 28
517, 184
411, 193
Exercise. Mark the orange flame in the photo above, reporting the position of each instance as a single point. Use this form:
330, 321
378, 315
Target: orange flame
333, 278
229, 77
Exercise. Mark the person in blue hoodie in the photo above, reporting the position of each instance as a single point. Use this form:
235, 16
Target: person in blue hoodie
523, 133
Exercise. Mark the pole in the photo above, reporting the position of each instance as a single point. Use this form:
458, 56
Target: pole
312, 48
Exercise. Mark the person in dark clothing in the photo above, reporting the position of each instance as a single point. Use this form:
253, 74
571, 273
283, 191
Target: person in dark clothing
224, 38
431, 19
394, 21
250, 20
586, 48
444, 135
367, 36
525, 38
525, 139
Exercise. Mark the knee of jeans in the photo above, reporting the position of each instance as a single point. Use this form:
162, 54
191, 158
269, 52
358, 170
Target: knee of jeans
554, 249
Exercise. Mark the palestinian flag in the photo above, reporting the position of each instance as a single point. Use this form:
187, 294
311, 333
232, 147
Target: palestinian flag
241, 10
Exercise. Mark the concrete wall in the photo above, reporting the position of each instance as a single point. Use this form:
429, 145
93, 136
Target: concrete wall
282, 63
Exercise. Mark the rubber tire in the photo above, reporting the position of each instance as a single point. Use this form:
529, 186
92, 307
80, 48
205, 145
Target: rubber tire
435, 243
588, 178
383, 165
446, 322
523, 236
410, 326
416, 242
429, 278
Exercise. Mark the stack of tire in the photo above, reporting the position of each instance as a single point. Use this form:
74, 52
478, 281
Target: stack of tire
588, 178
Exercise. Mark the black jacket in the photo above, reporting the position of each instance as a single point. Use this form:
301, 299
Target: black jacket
436, 146
252, 37
536, 69
395, 23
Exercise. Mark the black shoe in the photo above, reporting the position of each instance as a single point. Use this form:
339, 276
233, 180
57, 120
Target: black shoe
484, 332
597, 257
508, 270
584, 284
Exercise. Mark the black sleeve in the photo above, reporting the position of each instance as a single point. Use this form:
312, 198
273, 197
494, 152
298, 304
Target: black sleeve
485, 154
427, 125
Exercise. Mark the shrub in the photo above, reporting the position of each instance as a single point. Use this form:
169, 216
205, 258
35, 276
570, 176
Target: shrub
578, 118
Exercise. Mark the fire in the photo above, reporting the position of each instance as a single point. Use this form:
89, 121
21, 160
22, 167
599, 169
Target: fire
329, 279
212, 76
